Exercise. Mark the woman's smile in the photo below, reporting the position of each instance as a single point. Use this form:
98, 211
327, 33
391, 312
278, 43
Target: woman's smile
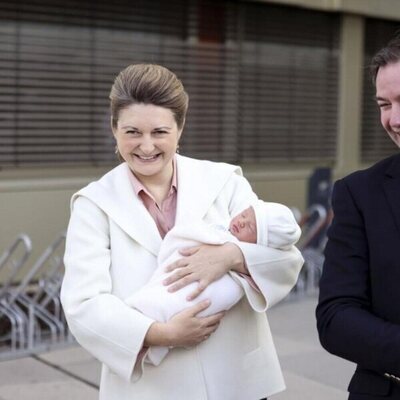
148, 159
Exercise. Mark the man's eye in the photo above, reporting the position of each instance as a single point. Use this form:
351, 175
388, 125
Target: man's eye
383, 105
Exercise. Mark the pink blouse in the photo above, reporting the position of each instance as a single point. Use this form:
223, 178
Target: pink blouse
163, 214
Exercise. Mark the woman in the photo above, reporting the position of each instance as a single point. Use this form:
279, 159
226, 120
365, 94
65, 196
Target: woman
114, 235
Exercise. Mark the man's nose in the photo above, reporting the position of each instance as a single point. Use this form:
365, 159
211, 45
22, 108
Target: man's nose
395, 116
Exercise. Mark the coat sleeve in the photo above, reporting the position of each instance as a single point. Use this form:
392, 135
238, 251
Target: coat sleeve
275, 271
346, 323
102, 323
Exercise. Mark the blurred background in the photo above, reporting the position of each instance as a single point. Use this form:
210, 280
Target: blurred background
280, 87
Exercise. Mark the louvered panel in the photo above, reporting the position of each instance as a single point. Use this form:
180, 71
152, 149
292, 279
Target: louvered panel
248, 69
289, 73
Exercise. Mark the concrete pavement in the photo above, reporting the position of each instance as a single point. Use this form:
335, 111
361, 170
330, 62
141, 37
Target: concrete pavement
71, 373
310, 372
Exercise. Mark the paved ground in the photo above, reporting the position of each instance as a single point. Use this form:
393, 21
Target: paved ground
310, 373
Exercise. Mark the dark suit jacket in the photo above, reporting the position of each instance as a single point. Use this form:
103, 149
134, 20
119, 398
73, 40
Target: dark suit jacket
358, 315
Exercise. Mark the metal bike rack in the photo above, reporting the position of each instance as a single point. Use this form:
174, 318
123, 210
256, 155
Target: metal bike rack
31, 310
312, 243
12, 261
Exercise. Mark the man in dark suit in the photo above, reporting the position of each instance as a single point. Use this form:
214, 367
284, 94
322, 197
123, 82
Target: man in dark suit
358, 315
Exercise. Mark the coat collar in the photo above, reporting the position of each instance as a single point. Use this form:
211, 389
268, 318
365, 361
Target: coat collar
392, 188
199, 183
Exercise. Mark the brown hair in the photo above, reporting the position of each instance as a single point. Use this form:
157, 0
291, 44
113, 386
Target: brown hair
389, 54
148, 84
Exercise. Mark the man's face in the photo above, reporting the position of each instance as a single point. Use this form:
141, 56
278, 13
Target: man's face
388, 99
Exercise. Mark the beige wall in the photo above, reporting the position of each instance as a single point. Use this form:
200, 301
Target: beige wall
36, 203
40, 214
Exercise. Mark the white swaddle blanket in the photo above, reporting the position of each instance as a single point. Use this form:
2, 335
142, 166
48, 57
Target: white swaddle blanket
155, 301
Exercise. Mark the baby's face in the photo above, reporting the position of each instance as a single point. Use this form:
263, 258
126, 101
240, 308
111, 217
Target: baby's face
244, 226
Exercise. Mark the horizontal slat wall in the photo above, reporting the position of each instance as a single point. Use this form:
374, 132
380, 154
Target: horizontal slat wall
288, 91
261, 78
375, 143
57, 64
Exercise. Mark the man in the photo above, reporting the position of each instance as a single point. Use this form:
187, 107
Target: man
358, 315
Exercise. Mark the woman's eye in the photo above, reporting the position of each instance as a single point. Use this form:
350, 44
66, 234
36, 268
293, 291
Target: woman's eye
383, 105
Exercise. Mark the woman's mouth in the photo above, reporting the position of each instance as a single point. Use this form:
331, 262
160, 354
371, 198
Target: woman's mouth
147, 158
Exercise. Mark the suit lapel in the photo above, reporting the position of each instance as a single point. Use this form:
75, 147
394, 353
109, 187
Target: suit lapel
114, 194
391, 186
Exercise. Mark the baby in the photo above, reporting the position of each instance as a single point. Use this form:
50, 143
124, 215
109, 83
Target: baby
251, 225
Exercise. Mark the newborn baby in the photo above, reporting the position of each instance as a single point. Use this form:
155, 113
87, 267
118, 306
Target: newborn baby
251, 225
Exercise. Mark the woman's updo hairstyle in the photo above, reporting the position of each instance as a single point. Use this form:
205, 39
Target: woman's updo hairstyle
148, 84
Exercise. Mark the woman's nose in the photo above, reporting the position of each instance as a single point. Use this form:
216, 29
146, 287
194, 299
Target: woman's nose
147, 145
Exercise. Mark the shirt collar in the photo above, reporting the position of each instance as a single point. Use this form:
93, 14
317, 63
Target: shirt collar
139, 187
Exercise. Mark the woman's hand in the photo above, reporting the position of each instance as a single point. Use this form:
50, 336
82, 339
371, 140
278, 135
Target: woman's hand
204, 264
184, 329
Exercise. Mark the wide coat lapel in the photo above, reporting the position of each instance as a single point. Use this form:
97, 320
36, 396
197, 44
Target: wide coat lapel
114, 194
199, 184
391, 186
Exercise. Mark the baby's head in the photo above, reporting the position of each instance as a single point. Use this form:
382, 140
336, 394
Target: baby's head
251, 224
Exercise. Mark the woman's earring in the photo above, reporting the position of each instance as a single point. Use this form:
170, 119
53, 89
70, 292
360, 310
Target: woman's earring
177, 149
116, 151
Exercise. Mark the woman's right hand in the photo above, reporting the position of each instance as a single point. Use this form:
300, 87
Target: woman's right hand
184, 329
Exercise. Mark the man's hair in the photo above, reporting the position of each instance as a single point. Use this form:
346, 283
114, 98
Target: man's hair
389, 54
148, 84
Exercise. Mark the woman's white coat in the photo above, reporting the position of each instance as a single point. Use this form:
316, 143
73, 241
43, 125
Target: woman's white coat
111, 250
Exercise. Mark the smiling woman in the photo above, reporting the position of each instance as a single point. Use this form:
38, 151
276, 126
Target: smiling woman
114, 238
147, 121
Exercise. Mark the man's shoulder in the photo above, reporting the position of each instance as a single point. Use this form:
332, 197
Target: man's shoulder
375, 172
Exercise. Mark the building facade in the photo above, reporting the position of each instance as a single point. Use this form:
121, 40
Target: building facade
280, 87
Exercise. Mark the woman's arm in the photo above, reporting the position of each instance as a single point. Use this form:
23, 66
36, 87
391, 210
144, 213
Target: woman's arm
101, 322
204, 264
274, 271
